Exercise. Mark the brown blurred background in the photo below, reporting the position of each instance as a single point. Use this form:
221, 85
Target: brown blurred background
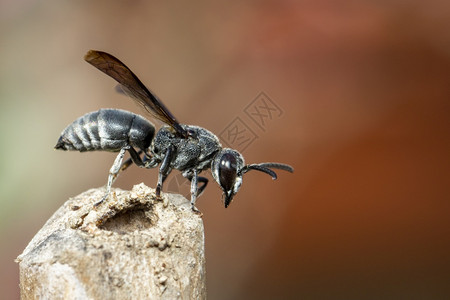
365, 92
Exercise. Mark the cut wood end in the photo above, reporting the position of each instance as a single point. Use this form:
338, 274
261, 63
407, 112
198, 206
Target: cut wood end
132, 244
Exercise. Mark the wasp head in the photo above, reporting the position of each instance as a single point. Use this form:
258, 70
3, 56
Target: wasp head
225, 169
228, 168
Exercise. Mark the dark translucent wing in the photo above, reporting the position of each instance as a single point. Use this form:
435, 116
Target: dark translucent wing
133, 87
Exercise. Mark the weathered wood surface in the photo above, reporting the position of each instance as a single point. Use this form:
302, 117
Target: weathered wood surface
132, 246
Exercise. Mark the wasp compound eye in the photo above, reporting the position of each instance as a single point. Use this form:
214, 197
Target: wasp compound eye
227, 171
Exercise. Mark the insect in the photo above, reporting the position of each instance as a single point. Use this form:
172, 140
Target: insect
187, 148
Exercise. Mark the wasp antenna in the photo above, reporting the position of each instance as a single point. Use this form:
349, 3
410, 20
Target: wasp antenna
279, 166
260, 168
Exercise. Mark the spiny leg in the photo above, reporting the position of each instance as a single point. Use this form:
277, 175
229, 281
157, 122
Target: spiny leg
115, 169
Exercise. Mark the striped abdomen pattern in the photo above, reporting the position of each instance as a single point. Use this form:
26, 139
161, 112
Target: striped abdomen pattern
107, 130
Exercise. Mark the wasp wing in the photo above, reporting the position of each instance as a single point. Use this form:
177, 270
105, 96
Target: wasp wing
133, 87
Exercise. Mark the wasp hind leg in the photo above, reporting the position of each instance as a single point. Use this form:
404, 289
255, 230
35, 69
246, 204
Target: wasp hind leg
114, 172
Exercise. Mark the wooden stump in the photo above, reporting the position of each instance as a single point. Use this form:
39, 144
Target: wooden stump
132, 246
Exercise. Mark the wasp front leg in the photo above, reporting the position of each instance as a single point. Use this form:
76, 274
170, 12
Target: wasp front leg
164, 169
192, 175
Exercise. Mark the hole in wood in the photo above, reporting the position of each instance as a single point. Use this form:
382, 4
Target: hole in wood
132, 219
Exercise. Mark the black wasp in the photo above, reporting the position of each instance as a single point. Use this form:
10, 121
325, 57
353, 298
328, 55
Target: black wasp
187, 148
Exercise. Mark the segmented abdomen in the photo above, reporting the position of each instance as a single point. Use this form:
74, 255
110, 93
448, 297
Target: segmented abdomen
106, 129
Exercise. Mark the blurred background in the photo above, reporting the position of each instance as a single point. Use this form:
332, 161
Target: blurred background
360, 92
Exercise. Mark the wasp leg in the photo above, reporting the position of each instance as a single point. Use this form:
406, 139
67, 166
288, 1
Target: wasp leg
164, 169
125, 165
135, 158
115, 169
194, 191
192, 175
150, 161
201, 188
